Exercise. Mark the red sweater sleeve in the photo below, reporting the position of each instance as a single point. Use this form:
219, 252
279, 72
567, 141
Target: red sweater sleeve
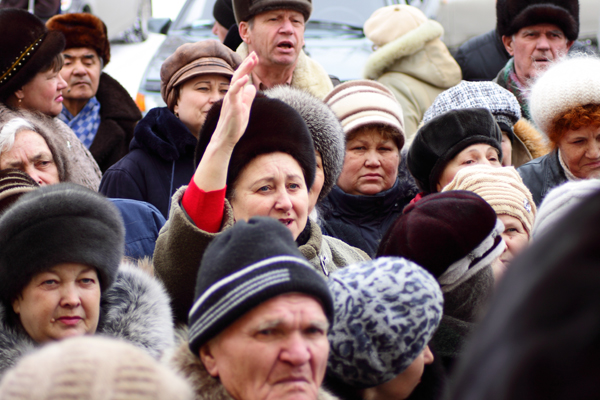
204, 208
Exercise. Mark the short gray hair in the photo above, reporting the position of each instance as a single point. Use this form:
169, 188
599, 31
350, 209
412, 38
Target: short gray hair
9, 132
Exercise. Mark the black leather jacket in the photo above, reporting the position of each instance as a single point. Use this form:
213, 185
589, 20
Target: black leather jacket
542, 175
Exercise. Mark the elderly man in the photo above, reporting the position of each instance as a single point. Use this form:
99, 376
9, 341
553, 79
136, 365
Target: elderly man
96, 107
534, 33
258, 327
274, 29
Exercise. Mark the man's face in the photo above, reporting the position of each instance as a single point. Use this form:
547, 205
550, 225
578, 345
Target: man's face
277, 350
276, 36
535, 47
81, 71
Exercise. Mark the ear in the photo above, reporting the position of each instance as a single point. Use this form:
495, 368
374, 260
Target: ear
16, 305
19, 94
244, 30
569, 44
176, 108
508, 44
208, 360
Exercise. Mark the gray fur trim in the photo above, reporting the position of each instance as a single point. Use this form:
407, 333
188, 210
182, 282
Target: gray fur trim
325, 129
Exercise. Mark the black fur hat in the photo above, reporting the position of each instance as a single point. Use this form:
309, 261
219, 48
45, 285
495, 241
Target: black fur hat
62, 223
26, 47
273, 127
512, 15
244, 10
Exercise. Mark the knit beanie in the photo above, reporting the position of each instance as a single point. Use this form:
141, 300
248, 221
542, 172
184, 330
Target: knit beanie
391, 22
82, 30
362, 103
14, 183
245, 10
324, 127
502, 188
223, 13
453, 235
442, 138
244, 266
503, 105
513, 15
92, 368
569, 83
560, 201
62, 223
273, 127
26, 47
386, 312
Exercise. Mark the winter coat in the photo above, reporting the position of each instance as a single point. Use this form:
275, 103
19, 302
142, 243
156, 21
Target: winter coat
43, 9
482, 57
181, 244
135, 308
74, 162
416, 67
308, 75
542, 175
118, 116
528, 143
161, 159
205, 387
369, 216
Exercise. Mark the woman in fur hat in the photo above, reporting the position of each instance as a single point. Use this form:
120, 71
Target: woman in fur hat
248, 165
61, 275
161, 156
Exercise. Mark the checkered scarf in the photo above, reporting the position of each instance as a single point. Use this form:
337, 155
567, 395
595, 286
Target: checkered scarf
86, 123
508, 79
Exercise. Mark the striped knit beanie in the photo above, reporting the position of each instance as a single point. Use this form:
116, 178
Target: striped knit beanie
14, 183
502, 188
362, 103
244, 266
92, 368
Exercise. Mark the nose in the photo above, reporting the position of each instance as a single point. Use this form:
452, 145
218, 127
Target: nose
283, 201
295, 350
372, 159
34, 175
593, 150
427, 356
69, 296
61, 83
542, 43
286, 27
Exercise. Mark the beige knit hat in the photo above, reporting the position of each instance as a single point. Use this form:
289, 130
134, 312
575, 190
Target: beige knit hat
502, 188
92, 368
363, 102
391, 22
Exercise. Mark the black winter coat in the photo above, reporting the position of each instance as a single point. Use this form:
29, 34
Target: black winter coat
161, 159
482, 57
542, 175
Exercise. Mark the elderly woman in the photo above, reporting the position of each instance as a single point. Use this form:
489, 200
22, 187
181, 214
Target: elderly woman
565, 104
161, 157
248, 166
61, 276
504, 190
368, 195
30, 62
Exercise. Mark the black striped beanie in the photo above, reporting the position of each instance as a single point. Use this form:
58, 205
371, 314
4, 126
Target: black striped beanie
243, 267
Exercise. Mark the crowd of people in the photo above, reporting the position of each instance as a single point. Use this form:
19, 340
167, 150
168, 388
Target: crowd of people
427, 232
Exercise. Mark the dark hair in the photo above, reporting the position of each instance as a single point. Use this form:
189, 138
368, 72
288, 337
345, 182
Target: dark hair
55, 64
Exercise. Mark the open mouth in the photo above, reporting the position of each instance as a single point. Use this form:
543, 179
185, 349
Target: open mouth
286, 221
286, 45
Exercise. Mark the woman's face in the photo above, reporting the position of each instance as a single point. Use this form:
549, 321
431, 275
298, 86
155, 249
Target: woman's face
580, 150
315, 190
370, 165
196, 97
59, 303
516, 238
43, 93
475, 154
272, 185
506, 150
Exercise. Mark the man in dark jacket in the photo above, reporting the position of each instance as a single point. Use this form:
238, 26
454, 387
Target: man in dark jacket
98, 109
482, 57
43, 9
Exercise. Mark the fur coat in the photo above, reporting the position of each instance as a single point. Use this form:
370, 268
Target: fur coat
206, 387
528, 143
416, 67
135, 308
308, 75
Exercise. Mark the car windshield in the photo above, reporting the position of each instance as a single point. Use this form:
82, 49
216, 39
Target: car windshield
197, 14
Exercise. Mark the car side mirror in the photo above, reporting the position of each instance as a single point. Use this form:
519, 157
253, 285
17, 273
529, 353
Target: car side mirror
159, 25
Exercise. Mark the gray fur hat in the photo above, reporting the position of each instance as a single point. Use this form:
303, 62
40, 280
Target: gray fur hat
385, 313
62, 223
326, 131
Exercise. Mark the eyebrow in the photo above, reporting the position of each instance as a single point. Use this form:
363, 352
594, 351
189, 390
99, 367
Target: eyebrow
87, 56
323, 325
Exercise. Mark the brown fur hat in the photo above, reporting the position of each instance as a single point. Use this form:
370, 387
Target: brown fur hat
26, 48
82, 30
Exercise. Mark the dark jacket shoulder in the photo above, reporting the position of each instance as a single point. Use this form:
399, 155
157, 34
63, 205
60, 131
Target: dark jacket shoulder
542, 175
482, 57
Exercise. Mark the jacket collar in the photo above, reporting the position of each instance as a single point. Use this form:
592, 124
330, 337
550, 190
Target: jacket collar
380, 204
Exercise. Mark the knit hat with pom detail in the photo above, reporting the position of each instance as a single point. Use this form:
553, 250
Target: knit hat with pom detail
502, 188
386, 312
13, 184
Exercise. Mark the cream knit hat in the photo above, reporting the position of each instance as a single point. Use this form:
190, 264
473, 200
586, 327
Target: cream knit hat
565, 85
92, 368
363, 102
391, 22
502, 188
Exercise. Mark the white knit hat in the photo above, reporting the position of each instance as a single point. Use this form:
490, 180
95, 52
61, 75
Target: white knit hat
92, 368
391, 22
565, 85
502, 188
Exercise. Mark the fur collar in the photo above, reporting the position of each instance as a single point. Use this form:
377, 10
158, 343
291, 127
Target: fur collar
135, 308
308, 75
205, 386
115, 101
533, 140
419, 53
